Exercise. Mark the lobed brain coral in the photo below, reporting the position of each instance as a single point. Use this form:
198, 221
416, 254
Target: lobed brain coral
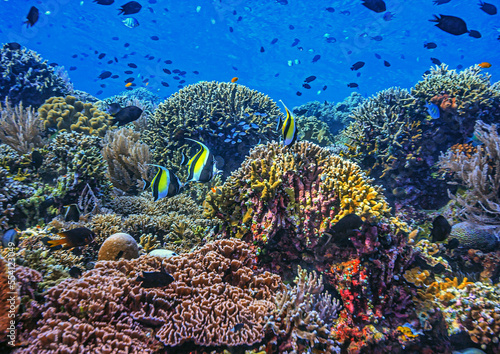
227, 117
67, 114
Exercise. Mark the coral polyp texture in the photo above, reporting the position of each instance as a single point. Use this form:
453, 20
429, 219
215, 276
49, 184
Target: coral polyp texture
214, 289
26, 77
227, 117
68, 115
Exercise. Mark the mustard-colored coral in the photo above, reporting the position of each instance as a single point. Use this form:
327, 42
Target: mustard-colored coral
68, 114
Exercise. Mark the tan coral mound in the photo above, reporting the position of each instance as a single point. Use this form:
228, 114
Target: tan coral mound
107, 310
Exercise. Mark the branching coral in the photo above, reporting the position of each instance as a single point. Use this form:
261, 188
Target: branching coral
228, 118
127, 158
314, 130
304, 315
26, 77
67, 114
479, 173
214, 289
19, 127
292, 194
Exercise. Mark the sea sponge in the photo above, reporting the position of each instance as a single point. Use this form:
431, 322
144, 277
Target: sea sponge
120, 245
229, 118
26, 77
67, 114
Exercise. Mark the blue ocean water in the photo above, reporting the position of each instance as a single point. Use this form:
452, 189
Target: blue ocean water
222, 39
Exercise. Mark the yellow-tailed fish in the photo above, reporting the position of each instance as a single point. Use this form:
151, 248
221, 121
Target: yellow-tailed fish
165, 183
288, 128
201, 166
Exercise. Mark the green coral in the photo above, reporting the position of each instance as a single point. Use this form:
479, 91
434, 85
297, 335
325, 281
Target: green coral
67, 114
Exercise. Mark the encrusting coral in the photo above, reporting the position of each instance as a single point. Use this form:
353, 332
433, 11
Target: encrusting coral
228, 118
26, 77
479, 173
19, 127
127, 158
67, 114
214, 289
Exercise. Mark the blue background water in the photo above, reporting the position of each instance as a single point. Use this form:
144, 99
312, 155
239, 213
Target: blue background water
195, 35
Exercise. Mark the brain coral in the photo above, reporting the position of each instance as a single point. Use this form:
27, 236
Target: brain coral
292, 194
24, 76
106, 309
67, 114
227, 117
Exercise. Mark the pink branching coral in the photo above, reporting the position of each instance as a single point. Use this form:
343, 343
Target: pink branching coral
215, 288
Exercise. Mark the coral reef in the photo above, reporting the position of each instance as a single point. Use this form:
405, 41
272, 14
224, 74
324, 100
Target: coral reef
471, 235
66, 114
228, 118
26, 77
305, 315
109, 302
292, 194
127, 158
337, 116
20, 127
479, 172
314, 130
117, 246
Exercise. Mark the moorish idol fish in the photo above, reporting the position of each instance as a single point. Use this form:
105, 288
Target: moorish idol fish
288, 128
201, 167
165, 183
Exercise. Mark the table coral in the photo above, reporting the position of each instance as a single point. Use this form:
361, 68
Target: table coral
67, 114
229, 118
214, 289
26, 77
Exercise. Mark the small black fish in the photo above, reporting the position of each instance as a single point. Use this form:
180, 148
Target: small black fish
132, 65
13, 46
430, 45
165, 84
325, 87
155, 279
316, 58
75, 272
155, 38
128, 72
80, 236
295, 42
231, 29
441, 2
330, 9
32, 17
441, 229
386, 63
130, 79
291, 27
452, 244
102, 55
119, 255
358, 65
113, 108
72, 68
104, 2
262, 50
377, 38
115, 77
130, 8
450, 24
352, 85
110, 61
166, 71
298, 93
237, 327
378, 56
310, 78
9, 238
127, 115
436, 61
375, 5
474, 34
347, 224
72, 213
282, 2
105, 75
274, 40
36, 159
99, 92
490, 9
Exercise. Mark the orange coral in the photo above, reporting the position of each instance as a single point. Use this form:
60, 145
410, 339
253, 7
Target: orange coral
466, 149
446, 103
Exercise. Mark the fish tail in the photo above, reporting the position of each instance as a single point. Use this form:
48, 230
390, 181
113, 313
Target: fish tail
53, 243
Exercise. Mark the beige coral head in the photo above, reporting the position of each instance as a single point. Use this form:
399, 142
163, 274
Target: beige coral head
117, 246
